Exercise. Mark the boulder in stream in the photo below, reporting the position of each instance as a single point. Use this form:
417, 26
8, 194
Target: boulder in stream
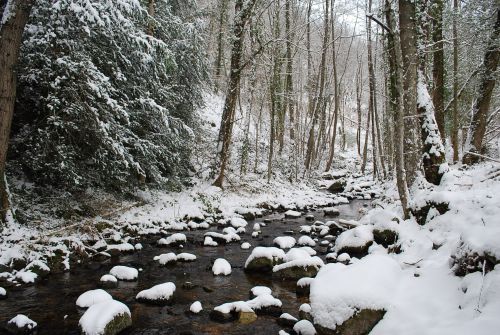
160, 294
105, 318
21, 324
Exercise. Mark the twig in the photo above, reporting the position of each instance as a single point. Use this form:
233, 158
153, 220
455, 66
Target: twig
421, 259
482, 156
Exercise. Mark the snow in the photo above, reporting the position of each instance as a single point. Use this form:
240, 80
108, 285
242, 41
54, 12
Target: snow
124, 247
238, 222
186, 257
246, 245
298, 257
256, 226
92, 297
293, 214
288, 317
174, 238
305, 308
344, 257
237, 306
284, 242
260, 290
138, 246
307, 241
271, 253
27, 276
221, 267
306, 281
158, 292
167, 258
264, 300
196, 307
208, 241
95, 319
108, 278
124, 272
338, 291
3, 292
356, 237
22, 321
304, 327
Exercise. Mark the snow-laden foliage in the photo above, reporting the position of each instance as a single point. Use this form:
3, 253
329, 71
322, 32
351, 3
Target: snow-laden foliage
102, 102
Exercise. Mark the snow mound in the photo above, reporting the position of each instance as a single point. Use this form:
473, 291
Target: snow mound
238, 222
292, 214
356, 237
208, 241
221, 267
339, 291
98, 316
92, 297
165, 259
245, 245
307, 241
196, 307
264, 300
124, 272
284, 242
22, 321
173, 239
270, 253
108, 278
186, 257
260, 290
304, 327
160, 292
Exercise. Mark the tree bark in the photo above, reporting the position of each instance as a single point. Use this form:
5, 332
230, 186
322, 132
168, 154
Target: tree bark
242, 14
408, 34
396, 92
11, 33
481, 106
454, 131
438, 66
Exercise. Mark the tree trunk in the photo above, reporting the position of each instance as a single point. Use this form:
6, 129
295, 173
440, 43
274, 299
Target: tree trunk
11, 33
242, 15
481, 105
454, 131
438, 66
396, 92
219, 60
407, 26
319, 99
151, 13
289, 69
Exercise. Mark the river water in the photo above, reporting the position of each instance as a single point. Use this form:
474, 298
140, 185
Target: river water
51, 302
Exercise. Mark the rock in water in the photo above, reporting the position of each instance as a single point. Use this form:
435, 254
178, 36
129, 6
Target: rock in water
21, 324
160, 294
105, 318
221, 267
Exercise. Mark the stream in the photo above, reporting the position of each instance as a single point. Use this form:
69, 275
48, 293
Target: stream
51, 302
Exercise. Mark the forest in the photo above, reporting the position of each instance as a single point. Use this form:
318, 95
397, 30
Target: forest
249, 167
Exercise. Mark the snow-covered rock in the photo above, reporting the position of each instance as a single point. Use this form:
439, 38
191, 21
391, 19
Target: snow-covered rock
186, 257
340, 292
238, 222
298, 263
108, 281
355, 241
304, 327
284, 242
196, 307
208, 241
262, 259
21, 324
124, 272
221, 267
3, 293
92, 297
265, 304
245, 245
287, 320
159, 294
105, 318
229, 236
292, 214
331, 211
177, 239
306, 241
303, 286
166, 259
259, 290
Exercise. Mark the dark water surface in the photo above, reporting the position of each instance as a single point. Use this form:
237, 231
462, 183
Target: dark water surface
51, 303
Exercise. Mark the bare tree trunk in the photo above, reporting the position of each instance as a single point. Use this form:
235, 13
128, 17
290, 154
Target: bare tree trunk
358, 106
407, 26
454, 132
438, 66
11, 33
242, 14
219, 60
289, 70
365, 146
396, 92
481, 106
151, 13
319, 101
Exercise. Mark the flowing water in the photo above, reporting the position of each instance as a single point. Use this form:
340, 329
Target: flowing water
51, 302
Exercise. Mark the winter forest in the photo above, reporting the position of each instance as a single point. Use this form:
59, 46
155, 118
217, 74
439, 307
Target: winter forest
304, 167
